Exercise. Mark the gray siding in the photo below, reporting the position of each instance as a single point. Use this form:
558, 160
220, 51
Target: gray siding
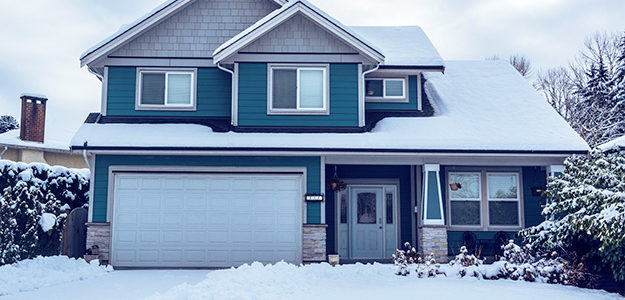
298, 34
198, 29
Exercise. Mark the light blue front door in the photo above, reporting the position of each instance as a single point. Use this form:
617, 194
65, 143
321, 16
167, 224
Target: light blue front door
367, 227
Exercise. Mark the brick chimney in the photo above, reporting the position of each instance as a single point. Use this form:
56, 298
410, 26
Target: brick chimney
33, 121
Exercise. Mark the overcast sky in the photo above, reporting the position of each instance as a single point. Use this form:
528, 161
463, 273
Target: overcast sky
43, 39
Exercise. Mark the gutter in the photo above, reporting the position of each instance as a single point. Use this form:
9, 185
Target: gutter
233, 103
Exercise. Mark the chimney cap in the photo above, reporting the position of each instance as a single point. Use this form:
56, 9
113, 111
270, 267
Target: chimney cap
34, 96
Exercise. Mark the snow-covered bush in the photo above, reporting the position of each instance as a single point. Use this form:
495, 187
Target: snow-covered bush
8, 123
466, 264
31, 215
409, 258
585, 213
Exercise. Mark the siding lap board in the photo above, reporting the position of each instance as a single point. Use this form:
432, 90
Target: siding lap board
253, 99
213, 94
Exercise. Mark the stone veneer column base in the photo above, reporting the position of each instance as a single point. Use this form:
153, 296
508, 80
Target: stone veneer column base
314, 242
100, 234
433, 240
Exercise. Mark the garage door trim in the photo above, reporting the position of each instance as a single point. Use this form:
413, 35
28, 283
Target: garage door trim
114, 170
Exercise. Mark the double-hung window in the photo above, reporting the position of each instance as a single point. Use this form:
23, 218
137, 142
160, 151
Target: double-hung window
503, 199
298, 89
163, 89
385, 89
465, 199
484, 200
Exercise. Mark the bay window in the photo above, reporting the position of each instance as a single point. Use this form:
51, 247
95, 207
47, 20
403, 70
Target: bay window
484, 200
165, 89
298, 89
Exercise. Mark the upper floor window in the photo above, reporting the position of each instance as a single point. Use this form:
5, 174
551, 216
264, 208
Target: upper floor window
484, 200
168, 89
386, 89
298, 89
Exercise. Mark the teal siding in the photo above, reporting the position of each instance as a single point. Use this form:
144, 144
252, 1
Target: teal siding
213, 94
103, 162
410, 105
253, 99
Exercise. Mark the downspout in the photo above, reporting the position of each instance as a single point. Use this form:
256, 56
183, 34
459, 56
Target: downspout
95, 73
84, 155
4, 151
232, 96
364, 93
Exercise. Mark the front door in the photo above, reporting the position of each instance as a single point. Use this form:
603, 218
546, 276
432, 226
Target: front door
366, 222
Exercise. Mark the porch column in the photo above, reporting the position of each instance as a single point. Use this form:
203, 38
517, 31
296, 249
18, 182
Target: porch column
432, 233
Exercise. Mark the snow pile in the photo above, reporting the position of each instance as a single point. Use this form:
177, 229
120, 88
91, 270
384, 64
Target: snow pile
47, 221
358, 281
40, 272
615, 144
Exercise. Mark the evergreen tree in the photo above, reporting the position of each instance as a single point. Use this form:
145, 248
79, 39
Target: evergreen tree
585, 212
27, 217
9, 250
50, 242
8, 123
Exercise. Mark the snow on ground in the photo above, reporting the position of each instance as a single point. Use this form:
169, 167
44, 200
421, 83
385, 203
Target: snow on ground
40, 272
321, 281
279, 281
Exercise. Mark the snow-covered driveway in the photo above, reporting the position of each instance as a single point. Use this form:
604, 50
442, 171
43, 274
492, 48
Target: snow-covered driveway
284, 281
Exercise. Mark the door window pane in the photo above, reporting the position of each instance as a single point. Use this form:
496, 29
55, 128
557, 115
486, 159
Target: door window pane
502, 186
284, 88
179, 89
311, 88
389, 208
343, 197
153, 88
465, 212
394, 88
374, 88
503, 213
468, 188
366, 208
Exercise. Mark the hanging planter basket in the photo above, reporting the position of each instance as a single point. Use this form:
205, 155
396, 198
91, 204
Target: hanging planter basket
455, 186
336, 184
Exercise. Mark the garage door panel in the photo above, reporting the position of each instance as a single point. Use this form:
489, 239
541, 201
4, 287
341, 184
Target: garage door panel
206, 220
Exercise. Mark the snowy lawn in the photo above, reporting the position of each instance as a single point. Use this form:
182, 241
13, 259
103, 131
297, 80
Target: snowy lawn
284, 281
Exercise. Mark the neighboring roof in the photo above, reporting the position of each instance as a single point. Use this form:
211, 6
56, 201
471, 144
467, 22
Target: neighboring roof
402, 45
55, 141
482, 106
276, 17
613, 144
137, 27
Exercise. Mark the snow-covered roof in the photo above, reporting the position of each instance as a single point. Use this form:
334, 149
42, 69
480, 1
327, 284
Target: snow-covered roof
54, 140
277, 16
613, 144
480, 106
33, 95
402, 45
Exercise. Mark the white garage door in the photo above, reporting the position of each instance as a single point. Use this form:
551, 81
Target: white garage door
206, 220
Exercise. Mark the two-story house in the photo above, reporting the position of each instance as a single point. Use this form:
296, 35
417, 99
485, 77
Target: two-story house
234, 131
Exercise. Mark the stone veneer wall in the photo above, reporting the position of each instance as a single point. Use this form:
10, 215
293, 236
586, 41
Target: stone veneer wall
314, 242
100, 234
433, 240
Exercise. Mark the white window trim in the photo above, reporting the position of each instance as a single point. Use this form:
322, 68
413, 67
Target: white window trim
166, 106
325, 110
484, 199
479, 199
400, 99
517, 200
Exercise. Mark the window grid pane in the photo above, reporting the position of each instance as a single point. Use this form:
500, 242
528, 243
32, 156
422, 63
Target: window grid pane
179, 89
284, 88
503, 186
374, 87
465, 213
389, 208
503, 213
153, 88
311, 88
394, 88
466, 185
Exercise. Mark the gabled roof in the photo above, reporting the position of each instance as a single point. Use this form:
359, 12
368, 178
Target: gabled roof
402, 45
304, 7
480, 106
127, 33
